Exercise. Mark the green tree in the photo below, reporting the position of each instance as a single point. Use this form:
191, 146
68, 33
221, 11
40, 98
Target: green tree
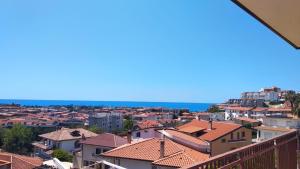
294, 100
62, 155
2, 133
18, 139
95, 129
128, 124
213, 109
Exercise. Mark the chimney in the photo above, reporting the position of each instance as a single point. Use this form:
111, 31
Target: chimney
162, 147
210, 124
129, 136
83, 137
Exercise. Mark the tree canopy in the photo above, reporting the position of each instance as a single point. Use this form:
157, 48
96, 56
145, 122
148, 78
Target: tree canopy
213, 109
18, 139
62, 155
128, 124
95, 129
294, 100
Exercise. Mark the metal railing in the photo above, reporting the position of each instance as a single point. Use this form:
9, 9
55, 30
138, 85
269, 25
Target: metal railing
277, 153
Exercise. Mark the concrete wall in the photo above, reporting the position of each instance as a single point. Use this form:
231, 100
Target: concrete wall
282, 122
267, 134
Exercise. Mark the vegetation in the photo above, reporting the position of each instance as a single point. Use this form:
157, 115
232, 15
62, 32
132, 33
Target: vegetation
95, 129
62, 155
213, 109
128, 124
17, 139
294, 100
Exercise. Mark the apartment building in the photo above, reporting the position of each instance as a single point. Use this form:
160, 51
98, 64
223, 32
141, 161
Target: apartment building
108, 121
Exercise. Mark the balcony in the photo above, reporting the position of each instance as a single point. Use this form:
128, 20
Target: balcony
277, 153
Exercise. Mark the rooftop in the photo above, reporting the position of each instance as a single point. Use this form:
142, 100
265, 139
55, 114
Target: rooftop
176, 155
68, 134
218, 130
105, 140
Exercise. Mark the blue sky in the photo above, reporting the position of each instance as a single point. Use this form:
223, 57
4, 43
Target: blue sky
138, 50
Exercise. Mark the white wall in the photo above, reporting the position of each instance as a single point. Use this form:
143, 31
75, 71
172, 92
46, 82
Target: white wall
130, 164
67, 145
146, 133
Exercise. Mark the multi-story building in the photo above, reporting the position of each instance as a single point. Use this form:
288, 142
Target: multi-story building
267, 94
109, 121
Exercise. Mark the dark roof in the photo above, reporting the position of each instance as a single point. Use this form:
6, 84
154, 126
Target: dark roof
105, 140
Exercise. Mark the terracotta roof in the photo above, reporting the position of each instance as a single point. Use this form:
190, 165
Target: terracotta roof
183, 136
247, 119
279, 110
149, 150
106, 140
219, 129
65, 134
148, 124
181, 159
190, 129
239, 108
260, 109
19, 161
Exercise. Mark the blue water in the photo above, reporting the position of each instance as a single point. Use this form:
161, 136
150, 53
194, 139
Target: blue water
171, 105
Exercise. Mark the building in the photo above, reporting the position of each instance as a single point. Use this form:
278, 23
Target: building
15, 161
145, 129
154, 153
266, 94
247, 102
65, 139
234, 112
222, 137
266, 132
245, 121
94, 146
108, 122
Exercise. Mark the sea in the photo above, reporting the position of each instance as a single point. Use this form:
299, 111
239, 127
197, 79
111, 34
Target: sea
170, 105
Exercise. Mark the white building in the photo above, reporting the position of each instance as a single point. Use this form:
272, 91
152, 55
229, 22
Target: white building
65, 139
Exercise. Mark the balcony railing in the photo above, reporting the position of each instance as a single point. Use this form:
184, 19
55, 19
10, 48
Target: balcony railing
277, 153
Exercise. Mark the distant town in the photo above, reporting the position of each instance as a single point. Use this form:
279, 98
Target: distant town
73, 136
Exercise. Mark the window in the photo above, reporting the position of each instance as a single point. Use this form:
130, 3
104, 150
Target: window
223, 140
138, 134
231, 136
238, 135
154, 167
243, 134
98, 151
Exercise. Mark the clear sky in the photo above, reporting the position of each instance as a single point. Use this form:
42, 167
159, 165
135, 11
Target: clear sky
138, 50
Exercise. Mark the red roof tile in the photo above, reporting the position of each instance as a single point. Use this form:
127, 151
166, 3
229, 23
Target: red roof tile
219, 129
106, 140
